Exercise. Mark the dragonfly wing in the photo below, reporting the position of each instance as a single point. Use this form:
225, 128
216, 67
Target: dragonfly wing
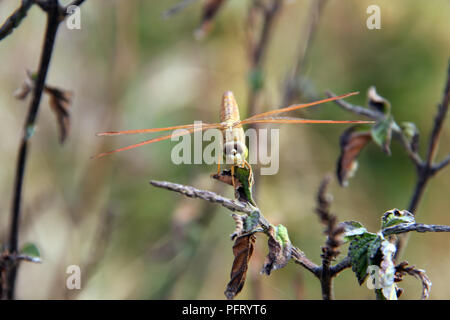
187, 131
186, 126
297, 120
300, 106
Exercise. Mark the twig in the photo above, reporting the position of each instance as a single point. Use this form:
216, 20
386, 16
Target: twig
291, 89
234, 205
14, 20
49, 41
177, 8
210, 196
372, 114
441, 165
301, 259
419, 227
257, 48
334, 232
427, 170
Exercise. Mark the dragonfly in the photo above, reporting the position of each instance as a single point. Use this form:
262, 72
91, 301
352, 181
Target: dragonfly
235, 151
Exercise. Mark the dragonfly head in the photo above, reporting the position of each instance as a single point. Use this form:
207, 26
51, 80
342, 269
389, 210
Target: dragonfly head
235, 152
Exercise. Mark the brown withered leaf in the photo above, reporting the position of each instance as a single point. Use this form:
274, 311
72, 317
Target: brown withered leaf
60, 101
242, 249
352, 141
210, 10
26, 87
279, 253
403, 268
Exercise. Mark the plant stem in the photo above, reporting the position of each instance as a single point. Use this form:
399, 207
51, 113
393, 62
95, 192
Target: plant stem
49, 41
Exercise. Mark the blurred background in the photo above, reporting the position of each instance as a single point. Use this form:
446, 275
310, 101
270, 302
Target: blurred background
130, 68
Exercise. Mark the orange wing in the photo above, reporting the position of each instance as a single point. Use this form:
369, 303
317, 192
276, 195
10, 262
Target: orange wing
190, 129
296, 120
300, 106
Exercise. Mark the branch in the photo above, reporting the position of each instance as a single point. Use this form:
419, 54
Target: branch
291, 89
439, 121
14, 20
233, 205
419, 227
210, 196
49, 41
334, 232
378, 116
177, 8
301, 259
441, 165
372, 114
257, 46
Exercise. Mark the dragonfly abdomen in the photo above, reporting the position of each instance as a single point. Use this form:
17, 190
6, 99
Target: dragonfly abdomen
229, 111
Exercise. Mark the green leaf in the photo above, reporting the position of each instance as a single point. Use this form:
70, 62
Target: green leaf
362, 253
282, 235
30, 249
382, 133
352, 229
393, 217
243, 175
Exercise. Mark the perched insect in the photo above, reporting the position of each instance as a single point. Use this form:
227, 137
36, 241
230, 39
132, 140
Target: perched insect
234, 148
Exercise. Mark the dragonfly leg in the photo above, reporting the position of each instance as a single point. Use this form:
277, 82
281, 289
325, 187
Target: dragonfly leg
250, 175
218, 165
232, 177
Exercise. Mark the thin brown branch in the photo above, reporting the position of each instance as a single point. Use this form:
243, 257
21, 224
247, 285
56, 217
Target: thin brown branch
419, 227
334, 233
258, 44
291, 89
439, 121
301, 259
14, 20
210, 196
177, 8
441, 165
28, 129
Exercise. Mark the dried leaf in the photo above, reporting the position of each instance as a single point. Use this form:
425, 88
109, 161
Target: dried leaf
377, 102
27, 86
242, 250
280, 249
420, 274
353, 140
59, 103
